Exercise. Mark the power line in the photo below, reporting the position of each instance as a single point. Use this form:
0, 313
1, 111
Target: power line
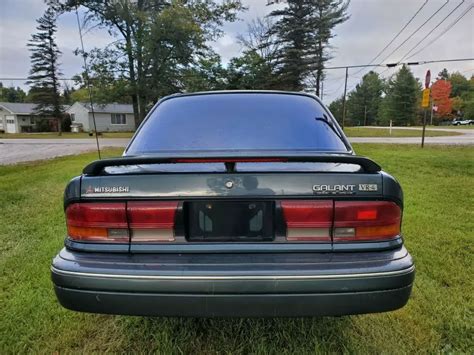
432, 30
396, 36
86, 70
354, 66
420, 62
449, 27
415, 31
24, 79
394, 64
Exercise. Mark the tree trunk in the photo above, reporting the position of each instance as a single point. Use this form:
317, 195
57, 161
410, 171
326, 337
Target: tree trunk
141, 92
319, 68
133, 79
57, 105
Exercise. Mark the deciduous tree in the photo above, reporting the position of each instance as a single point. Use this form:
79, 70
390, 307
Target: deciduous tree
459, 84
11, 94
440, 92
336, 109
252, 72
156, 39
206, 74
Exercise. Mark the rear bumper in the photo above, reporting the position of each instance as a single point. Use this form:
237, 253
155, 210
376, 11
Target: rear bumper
206, 285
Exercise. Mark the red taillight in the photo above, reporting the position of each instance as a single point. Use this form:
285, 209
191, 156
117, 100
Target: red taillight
344, 220
366, 220
97, 222
308, 220
117, 221
152, 221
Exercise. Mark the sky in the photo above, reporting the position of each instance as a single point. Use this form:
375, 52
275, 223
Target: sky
372, 25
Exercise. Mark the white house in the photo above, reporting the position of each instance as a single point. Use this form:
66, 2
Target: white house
20, 117
108, 117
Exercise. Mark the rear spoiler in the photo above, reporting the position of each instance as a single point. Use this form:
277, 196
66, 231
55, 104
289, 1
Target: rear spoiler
95, 168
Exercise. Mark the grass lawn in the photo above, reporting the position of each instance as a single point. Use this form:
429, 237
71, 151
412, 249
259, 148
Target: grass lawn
438, 226
382, 132
52, 135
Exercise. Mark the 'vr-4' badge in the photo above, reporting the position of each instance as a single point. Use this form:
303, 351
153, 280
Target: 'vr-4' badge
367, 187
343, 189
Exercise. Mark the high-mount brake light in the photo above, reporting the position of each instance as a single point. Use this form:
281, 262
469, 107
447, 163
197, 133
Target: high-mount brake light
308, 220
152, 221
230, 160
98, 222
366, 220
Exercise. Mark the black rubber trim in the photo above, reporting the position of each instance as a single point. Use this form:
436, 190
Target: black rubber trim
231, 305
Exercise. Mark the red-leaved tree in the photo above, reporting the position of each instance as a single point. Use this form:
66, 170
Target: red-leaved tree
440, 92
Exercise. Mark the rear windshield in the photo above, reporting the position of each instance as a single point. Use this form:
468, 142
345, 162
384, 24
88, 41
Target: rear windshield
236, 122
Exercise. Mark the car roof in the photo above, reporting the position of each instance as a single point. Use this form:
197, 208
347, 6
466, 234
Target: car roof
220, 92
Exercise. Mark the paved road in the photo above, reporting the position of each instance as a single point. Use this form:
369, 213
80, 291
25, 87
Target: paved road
20, 150
466, 137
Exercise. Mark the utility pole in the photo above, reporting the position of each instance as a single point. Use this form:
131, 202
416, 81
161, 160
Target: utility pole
431, 118
365, 115
322, 89
344, 99
425, 103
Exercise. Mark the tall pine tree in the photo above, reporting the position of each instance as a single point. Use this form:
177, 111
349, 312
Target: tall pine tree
363, 103
292, 31
304, 29
401, 101
327, 15
44, 72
